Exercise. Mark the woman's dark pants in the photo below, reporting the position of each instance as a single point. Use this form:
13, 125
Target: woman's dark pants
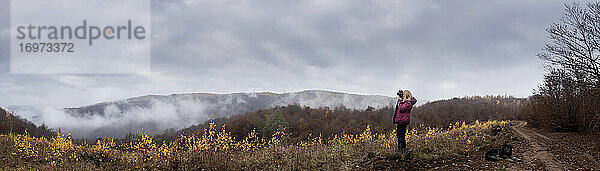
401, 133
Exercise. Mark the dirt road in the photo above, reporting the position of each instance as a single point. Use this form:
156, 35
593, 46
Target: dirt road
539, 152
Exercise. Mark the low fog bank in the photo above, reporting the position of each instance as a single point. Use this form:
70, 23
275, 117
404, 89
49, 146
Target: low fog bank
116, 123
156, 114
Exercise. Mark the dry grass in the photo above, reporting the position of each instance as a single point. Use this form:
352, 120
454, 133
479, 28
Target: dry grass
215, 149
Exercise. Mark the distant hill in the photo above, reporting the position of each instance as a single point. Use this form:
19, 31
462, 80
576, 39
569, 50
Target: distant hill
160, 112
225, 105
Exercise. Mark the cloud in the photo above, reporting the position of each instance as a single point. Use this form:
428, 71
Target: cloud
90, 50
430, 41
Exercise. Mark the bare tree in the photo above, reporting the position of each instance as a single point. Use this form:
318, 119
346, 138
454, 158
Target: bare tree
575, 44
570, 95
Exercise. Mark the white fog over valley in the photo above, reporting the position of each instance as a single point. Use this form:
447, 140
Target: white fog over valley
156, 113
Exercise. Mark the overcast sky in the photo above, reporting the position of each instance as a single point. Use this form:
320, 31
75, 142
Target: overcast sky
437, 49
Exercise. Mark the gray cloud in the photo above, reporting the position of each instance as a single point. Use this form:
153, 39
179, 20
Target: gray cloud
4, 36
438, 49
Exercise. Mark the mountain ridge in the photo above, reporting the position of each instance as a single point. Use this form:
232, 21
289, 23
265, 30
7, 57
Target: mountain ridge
157, 113
142, 101
215, 94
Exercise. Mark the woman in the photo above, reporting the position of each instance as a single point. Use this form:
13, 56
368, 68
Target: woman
402, 116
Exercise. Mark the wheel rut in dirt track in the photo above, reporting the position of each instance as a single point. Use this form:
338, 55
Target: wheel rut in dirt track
538, 149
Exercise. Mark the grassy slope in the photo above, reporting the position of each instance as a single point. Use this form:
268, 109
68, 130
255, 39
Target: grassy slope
362, 151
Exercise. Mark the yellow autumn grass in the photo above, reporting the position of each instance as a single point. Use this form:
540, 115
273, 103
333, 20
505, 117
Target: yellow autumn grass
215, 148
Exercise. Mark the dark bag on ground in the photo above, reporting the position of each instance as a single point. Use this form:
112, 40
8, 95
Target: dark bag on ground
497, 154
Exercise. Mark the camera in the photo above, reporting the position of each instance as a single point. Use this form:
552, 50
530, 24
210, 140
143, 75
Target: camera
400, 93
